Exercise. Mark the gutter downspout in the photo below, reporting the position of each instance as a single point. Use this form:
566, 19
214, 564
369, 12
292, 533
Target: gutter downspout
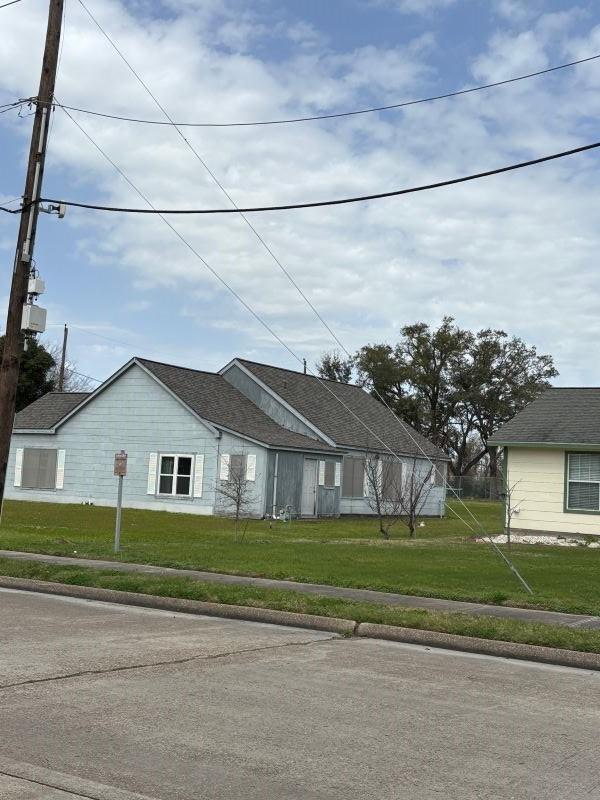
274, 509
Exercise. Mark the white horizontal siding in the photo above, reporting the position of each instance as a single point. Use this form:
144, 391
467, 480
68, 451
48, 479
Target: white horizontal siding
137, 415
434, 505
538, 479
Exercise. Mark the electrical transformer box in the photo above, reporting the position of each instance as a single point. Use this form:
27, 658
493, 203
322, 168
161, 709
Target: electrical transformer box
34, 319
36, 286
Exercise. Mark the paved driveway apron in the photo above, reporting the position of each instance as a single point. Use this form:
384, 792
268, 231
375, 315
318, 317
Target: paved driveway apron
113, 702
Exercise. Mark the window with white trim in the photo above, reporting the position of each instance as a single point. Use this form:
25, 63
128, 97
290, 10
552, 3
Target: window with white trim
583, 482
175, 475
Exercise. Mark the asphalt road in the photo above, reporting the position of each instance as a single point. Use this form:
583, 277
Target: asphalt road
111, 702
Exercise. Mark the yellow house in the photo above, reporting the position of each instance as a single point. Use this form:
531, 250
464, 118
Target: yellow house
552, 463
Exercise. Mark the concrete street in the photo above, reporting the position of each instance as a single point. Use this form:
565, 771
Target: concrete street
110, 702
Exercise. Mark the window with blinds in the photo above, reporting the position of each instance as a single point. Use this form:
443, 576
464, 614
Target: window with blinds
583, 479
353, 481
39, 468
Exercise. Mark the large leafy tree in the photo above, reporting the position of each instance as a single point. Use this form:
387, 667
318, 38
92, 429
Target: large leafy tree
454, 386
36, 374
335, 367
499, 378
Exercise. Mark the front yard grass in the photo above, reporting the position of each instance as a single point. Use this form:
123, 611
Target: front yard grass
460, 624
443, 561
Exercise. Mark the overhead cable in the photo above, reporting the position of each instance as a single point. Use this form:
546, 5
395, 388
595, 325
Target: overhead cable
340, 114
301, 361
256, 316
320, 203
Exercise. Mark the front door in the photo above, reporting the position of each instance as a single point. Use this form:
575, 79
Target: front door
309, 488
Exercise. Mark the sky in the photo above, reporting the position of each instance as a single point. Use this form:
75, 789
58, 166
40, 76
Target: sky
517, 252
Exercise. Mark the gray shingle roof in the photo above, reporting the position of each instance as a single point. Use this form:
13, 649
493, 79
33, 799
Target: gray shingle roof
559, 416
343, 421
43, 414
216, 400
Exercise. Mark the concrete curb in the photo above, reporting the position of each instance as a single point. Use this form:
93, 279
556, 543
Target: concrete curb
471, 644
368, 630
246, 613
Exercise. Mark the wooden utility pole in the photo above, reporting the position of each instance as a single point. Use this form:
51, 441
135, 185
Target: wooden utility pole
63, 361
13, 340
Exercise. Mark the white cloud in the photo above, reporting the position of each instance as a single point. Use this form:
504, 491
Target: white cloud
516, 251
423, 7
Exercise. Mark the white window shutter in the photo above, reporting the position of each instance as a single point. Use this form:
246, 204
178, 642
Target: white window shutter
251, 467
152, 462
60, 469
198, 475
338, 474
224, 469
18, 466
366, 486
321, 473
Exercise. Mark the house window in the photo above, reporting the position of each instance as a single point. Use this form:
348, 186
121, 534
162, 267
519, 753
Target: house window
175, 475
329, 481
354, 477
237, 466
391, 480
438, 473
583, 491
39, 468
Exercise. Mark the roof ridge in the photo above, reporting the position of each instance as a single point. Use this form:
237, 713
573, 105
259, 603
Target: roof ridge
177, 366
297, 372
57, 391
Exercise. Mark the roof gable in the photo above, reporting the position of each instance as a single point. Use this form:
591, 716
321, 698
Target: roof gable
216, 401
47, 411
568, 416
343, 412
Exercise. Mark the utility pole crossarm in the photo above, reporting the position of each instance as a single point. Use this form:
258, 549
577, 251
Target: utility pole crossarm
13, 340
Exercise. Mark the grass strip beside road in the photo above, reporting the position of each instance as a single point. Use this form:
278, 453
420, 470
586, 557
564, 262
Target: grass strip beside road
507, 630
443, 561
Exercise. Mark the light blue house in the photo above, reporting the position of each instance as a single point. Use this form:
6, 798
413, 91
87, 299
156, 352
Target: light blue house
300, 444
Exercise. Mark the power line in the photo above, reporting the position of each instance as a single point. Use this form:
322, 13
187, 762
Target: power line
404, 427
12, 2
278, 338
321, 203
260, 239
82, 375
205, 165
340, 114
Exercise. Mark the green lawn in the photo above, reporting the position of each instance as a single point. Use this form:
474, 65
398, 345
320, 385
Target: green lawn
460, 624
442, 562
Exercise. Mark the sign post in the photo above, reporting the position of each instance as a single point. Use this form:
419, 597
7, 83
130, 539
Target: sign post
120, 470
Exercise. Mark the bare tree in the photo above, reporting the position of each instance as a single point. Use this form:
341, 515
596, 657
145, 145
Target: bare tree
416, 488
236, 494
73, 381
396, 491
510, 508
382, 502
